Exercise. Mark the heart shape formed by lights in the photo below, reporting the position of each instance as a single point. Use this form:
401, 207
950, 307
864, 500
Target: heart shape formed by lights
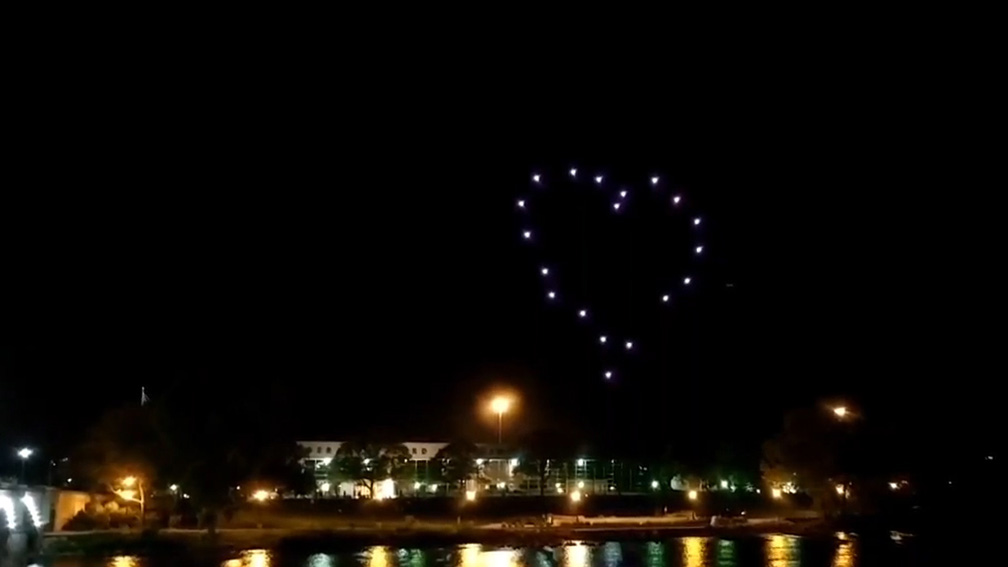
619, 202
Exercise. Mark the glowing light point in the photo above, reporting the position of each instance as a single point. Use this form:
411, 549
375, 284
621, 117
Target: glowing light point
551, 295
602, 339
521, 203
583, 313
676, 199
696, 221
615, 206
623, 194
598, 179
573, 172
608, 374
544, 271
527, 235
687, 280
699, 249
536, 178
629, 345
665, 298
654, 180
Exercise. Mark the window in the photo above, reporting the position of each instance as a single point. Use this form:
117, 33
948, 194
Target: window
328, 449
414, 450
318, 449
423, 451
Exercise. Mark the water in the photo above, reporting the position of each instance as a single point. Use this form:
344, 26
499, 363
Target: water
767, 551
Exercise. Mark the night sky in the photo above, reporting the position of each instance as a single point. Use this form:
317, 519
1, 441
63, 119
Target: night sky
363, 263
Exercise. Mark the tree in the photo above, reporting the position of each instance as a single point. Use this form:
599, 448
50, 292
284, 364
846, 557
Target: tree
126, 441
544, 452
368, 463
456, 463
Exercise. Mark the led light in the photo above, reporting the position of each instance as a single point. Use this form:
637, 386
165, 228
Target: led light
654, 180
676, 199
699, 249
686, 281
527, 235
696, 221
573, 171
598, 179
521, 203
602, 339
544, 271
608, 374
665, 298
615, 206
551, 295
629, 345
623, 194
583, 313
536, 178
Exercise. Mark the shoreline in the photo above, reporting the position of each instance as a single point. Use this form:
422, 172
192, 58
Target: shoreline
116, 542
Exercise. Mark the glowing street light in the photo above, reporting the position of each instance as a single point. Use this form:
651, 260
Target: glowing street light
500, 405
676, 199
602, 339
260, 495
840, 411
608, 374
776, 493
470, 495
575, 496
24, 453
692, 495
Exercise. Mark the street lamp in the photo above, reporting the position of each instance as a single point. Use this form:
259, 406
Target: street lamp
24, 453
840, 411
499, 405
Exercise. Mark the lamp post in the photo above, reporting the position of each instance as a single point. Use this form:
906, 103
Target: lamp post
24, 453
500, 405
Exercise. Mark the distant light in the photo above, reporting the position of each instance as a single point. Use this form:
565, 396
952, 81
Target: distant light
840, 489
527, 235
581, 463
536, 178
575, 496
629, 345
615, 206
654, 180
261, 495
608, 374
573, 171
840, 411
551, 295
470, 495
654, 485
583, 313
173, 488
665, 298
696, 221
602, 339
501, 485
699, 249
416, 486
25, 452
479, 462
692, 495
513, 462
893, 486
521, 203
598, 179
325, 486
676, 199
544, 271
775, 492
623, 194
724, 484
686, 280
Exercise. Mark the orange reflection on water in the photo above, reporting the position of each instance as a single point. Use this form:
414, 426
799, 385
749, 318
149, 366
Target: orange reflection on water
844, 556
782, 551
472, 555
576, 555
378, 556
694, 549
124, 561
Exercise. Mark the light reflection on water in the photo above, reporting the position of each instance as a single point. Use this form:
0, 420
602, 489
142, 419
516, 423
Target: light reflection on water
769, 551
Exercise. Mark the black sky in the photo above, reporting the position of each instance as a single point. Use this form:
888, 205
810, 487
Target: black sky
356, 251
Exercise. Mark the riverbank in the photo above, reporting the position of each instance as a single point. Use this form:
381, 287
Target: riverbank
230, 540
